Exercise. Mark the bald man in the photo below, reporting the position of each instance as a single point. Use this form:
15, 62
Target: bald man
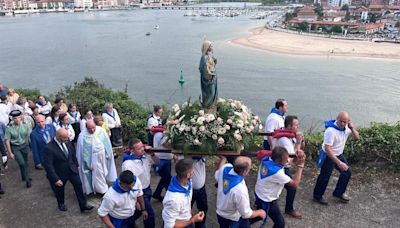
61, 166
96, 160
41, 135
233, 203
335, 136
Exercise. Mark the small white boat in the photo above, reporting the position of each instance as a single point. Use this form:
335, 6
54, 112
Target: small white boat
156, 27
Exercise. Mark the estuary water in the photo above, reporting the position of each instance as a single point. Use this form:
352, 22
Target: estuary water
49, 51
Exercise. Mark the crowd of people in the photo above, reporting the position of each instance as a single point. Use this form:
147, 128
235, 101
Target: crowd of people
79, 149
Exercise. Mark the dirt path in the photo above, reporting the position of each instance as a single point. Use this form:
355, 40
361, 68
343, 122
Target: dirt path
375, 203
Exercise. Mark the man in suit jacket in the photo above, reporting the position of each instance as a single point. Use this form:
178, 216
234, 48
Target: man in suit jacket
61, 165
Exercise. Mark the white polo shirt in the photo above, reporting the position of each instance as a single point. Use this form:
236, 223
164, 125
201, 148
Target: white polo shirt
287, 143
111, 119
120, 205
140, 168
176, 206
236, 203
269, 188
199, 173
336, 139
273, 121
153, 121
158, 141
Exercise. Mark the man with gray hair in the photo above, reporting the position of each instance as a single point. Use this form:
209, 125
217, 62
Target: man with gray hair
233, 203
41, 135
111, 118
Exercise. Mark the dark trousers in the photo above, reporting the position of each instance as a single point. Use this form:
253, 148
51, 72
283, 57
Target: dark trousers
164, 170
290, 194
226, 223
150, 222
150, 138
123, 223
200, 197
21, 157
266, 145
76, 182
272, 211
325, 174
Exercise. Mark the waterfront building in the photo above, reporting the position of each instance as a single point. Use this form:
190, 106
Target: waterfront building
83, 3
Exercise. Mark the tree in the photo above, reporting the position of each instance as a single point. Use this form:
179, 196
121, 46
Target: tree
336, 29
345, 7
373, 18
318, 10
303, 26
397, 25
347, 16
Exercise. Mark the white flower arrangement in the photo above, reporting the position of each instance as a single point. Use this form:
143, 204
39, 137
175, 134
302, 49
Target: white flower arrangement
233, 127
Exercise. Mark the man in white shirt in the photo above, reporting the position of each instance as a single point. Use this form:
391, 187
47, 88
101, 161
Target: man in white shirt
164, 167
119, 203
271, 180
199, 187
275, 120
335, 136
111, 118
140, 164
177, 211
233, 203
293, 146
153, 120
88, 116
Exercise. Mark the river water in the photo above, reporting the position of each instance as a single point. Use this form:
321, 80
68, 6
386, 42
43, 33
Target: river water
49, 51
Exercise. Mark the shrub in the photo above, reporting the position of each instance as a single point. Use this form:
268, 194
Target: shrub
91, 95
29, 94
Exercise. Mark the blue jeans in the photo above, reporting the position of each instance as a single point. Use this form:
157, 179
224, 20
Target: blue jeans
164, 170
325, 175
150, 222
272, 211
226, 223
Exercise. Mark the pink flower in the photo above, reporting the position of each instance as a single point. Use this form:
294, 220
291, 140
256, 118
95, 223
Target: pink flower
221, 141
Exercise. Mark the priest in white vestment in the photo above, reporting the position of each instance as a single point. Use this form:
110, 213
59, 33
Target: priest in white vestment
95, 157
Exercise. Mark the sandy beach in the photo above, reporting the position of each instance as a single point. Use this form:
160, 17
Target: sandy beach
294, 44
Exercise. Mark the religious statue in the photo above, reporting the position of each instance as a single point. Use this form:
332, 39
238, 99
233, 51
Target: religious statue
209, 89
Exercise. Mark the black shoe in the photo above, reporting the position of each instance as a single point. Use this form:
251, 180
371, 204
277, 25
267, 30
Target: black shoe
343, 198
159, 198
28, 184
321, 201
62, 207
86, 208
1, 191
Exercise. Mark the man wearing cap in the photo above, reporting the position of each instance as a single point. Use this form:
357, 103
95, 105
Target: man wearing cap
17, 143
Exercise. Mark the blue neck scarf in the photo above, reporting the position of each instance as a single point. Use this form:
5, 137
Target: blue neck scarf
174, 186
268, 168
118, 188
276, 111
331, 123
230, 180
129, 156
